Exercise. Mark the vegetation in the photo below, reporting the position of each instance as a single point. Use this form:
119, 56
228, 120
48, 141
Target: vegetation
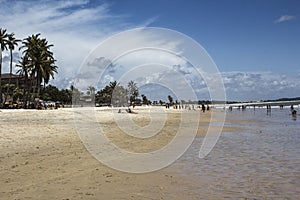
133, 92
116, 95
37, 67
104, 96
12, 42
170, 98
145, 100
39, 63
52, 93
3, 46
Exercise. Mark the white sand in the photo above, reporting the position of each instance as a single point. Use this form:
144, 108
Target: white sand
42, 157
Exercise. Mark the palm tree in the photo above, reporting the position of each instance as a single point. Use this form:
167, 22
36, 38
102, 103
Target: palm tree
48, 71
24, 71
47, 68
170, 98
12, 42
37, 52
133, 91
3, 46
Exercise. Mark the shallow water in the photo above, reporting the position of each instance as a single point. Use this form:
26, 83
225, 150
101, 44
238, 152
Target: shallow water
260, 162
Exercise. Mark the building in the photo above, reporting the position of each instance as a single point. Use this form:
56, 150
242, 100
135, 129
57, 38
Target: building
17, 80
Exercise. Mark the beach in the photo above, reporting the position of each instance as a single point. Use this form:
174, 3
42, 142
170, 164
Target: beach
42, 157
149, 100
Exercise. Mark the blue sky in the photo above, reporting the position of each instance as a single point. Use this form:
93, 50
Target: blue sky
255, 44
238, 34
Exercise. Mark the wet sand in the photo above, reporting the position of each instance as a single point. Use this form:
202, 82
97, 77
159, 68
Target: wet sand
42, 157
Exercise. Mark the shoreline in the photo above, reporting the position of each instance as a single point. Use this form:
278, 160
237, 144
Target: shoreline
42, 157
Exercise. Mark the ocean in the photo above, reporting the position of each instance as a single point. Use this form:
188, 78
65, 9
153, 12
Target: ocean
261, 161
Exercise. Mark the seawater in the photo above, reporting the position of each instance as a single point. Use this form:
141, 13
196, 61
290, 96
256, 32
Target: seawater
262, 161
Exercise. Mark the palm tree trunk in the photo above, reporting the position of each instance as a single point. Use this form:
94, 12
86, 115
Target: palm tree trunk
0, 77
29, 90
37, 83
25, 91
38, 86
10, 74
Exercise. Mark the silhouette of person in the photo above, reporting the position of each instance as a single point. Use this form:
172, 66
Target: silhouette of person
203, 108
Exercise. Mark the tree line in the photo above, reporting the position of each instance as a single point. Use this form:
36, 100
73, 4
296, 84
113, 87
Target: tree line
36, 66
117, 95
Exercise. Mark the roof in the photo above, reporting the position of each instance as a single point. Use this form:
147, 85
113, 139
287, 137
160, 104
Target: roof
7, 75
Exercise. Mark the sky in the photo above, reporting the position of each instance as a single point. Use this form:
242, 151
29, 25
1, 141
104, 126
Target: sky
254, 44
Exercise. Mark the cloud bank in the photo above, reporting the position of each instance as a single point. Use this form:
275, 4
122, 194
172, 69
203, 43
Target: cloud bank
260, 85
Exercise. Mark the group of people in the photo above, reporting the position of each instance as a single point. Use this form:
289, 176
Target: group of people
203, 108
293, 111
189, 107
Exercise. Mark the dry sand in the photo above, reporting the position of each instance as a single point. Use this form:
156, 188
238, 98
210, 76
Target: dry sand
42, 157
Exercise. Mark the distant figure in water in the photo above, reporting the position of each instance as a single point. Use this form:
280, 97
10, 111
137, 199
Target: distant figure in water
294, 113
268, 110
281, 107
292, 107
243, 107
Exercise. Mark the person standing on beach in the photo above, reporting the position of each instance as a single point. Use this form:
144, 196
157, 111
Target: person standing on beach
203, 108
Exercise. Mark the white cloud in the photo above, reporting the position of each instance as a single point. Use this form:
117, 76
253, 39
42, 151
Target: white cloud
107, 79
135, 49
239, 86
284, 18
74, 27
260, 85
